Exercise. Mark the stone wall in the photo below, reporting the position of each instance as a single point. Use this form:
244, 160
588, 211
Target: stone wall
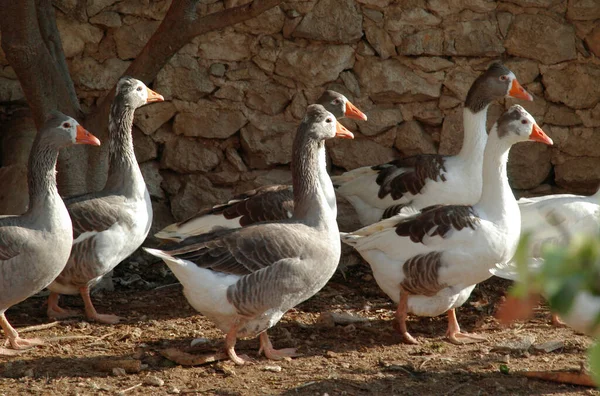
235, 96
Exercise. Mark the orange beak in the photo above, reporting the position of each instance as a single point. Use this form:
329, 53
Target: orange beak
353, 112
538, 135
517, 91
342, 132
84, 137
154, 96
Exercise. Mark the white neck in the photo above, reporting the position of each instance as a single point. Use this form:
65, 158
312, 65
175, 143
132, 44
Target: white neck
497, 199
325, 182
474, 137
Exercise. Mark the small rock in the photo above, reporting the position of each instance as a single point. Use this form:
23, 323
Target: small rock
520, 344
118, 371
549, 346
274, 369
350, 328
173, 390
504, 359
217, 69
345, 365
153, 381
330, 319
200, 340
330, 355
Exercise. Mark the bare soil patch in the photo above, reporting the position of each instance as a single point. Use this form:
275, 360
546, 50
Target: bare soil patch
362, 358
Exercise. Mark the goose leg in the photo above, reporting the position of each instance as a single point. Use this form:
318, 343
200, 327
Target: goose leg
14, 340
401, 314
556, 321
230, 340
454, 334
272, 353
90, 311
56, 312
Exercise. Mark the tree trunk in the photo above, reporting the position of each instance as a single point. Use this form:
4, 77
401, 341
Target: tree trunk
32, 45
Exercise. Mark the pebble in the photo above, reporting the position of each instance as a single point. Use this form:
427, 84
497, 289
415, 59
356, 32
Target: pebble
118, 371
200, 340
275, 369
153, 381
173, 391
520, 344
549, 346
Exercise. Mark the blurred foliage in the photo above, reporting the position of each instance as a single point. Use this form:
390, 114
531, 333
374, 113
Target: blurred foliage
564, 272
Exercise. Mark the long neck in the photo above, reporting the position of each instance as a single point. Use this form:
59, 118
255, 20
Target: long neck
124, 171
310, 182
42, 177
497, 199
475, 135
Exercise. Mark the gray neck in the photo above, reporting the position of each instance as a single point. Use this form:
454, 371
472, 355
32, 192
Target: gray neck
310, 181
124, 173
497, 199
41, 177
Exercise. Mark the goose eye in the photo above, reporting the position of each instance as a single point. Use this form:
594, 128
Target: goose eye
503, 78
138, 89
66, 125
524, 122
336, 101
328, 120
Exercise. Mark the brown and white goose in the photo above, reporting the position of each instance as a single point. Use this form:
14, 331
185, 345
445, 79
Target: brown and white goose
426, 180
35, 246
266, 203
430, 262
245, 279
111, 224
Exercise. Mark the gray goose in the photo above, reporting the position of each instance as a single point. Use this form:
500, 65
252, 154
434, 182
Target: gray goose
431, 179
265, 203
111, 224
245, 279
35, 246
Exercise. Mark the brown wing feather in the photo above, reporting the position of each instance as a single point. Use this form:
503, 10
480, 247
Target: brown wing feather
418, 169
267, 203
437, 220
241, 251
97, 214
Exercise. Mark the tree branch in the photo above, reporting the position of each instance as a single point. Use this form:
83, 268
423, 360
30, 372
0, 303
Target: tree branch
49, 30
180, 25
42, 84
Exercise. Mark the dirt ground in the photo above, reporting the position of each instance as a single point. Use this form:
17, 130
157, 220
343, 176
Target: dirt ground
351, 359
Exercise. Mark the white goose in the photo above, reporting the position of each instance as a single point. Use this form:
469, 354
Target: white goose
430, 262
265, 203
245, 279
426, 180
553, 220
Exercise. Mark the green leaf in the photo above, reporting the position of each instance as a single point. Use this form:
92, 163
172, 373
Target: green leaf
594, 360
504, 369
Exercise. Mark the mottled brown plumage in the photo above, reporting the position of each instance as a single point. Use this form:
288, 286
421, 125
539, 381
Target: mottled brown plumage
422, 168
438, 220
421, 274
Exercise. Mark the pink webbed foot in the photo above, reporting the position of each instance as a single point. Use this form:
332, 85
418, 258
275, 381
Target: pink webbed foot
458, 337
275, 354
54, 311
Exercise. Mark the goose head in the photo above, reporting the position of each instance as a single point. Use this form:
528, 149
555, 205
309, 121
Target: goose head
133, 93
319, 124
60, 131
339, 105
495, 83
517, 125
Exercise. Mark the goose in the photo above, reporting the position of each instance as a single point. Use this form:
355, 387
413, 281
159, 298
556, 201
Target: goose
553, 220
111, 224
431, 179
265, 203
35, 246
245, 279
430, 262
